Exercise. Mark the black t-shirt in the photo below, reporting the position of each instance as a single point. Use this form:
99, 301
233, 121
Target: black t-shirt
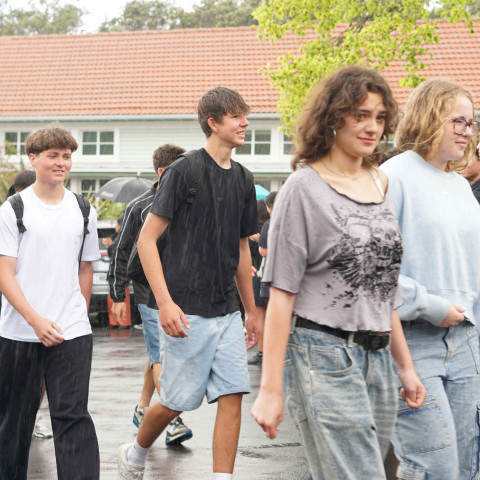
201, 257
262, 242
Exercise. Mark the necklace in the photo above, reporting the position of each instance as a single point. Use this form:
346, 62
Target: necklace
351, 177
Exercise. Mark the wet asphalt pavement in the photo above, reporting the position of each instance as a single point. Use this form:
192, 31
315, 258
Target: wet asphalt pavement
119, 358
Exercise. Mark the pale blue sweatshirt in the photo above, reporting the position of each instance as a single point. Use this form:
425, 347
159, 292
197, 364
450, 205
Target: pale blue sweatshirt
440, 223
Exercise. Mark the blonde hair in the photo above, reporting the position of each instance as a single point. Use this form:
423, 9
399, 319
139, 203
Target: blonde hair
421, 127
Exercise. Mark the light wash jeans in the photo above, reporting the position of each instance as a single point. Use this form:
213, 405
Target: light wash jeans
151, 332
343, 401
440, 441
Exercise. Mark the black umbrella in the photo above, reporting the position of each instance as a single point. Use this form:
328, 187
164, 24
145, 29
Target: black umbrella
124, 189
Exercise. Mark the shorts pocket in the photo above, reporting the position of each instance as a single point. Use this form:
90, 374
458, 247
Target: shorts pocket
422, 430
406, 471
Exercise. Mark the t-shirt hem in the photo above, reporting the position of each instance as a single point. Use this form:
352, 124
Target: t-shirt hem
37, 340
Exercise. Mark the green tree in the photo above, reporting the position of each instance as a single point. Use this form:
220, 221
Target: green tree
220, 13
335, 33
145, 15
45, 18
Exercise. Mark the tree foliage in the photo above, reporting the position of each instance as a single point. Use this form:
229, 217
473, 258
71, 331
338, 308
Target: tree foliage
163, 14
46, 17
145, 15
344, 32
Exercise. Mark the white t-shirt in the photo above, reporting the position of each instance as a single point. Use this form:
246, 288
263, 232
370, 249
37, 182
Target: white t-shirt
47, 264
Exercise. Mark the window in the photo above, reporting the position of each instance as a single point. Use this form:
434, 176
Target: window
257, 142
287, 145
97, 143
88, 186
15, 142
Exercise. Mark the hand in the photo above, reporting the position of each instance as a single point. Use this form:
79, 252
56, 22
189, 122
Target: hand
454, 316
253, 330
48, 332
413, 392
171, 319
254, 271
107, 242
268, 412
119, 312
255, 237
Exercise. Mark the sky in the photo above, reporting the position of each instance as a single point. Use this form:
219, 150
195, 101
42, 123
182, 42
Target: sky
99, 10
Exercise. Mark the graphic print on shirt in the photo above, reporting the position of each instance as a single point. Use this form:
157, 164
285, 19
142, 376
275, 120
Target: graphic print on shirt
366, 260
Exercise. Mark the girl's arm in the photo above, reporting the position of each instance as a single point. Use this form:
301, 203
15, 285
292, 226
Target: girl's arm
413, 391
268, 407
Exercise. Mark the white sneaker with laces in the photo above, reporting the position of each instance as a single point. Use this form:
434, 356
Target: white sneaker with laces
128, 471
41, 429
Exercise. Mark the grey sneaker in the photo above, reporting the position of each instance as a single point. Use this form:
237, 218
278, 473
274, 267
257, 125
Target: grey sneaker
128, 471
256, 360
138, 416
41, 429
177, 432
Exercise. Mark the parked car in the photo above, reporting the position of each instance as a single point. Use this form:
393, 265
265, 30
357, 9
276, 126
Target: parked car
100, 288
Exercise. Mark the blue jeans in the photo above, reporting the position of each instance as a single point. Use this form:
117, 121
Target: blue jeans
151, 332
440, 441
343, 401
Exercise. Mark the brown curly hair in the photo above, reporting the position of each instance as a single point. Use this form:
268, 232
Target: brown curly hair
421, 127
334, 97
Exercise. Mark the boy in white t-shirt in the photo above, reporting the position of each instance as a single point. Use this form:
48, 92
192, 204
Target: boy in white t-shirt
44, 326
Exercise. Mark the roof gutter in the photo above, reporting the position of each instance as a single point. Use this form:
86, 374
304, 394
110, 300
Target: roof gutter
119, 118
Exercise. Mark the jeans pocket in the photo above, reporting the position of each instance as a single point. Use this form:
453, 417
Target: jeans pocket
472, 336
422, 430
291, 393
331, 361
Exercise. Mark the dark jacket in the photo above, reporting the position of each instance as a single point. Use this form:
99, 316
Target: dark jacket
134, 217
476, 190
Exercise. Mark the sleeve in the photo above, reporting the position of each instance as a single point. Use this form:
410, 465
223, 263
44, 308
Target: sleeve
416, 301
249, 221
172, 190
287, 241
9, 235
263, 235
90, 248
117, 276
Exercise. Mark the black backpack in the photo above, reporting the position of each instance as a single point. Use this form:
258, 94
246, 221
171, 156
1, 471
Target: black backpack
195, 180
84, 205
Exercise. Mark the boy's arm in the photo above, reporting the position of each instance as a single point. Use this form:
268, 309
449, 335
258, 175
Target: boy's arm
47, 331
243, 279
171, 315
85, 278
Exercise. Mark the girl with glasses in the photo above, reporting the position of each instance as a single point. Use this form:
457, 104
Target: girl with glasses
440, 282
334, 253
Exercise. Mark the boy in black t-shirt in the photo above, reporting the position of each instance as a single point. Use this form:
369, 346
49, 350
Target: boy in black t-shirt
203, 347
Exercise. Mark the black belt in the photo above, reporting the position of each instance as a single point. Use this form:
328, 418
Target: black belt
368, 340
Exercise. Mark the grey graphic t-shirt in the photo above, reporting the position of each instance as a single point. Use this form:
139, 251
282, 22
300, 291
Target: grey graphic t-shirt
341, 257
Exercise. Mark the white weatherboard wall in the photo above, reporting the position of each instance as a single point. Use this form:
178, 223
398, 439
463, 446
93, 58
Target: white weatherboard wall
135, 141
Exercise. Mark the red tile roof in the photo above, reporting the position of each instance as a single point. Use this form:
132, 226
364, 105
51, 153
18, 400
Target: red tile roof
165, 72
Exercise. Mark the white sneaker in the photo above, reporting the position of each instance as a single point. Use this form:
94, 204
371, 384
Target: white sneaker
128, 471
41, 429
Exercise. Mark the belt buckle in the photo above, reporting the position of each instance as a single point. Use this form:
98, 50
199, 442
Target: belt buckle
374, 342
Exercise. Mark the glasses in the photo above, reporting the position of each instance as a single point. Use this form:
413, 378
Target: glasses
460, 125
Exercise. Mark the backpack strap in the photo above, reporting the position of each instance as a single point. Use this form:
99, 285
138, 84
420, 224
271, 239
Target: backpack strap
249, 185
17, 205
84, 206
197, 170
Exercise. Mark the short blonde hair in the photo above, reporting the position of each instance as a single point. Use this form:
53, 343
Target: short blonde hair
421, 127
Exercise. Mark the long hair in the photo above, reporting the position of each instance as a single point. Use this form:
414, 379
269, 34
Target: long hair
422, 125
338, 95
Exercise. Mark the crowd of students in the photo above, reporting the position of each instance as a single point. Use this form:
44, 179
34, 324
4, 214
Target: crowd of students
371, 325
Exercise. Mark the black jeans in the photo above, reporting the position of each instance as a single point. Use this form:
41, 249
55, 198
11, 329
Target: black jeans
66, 369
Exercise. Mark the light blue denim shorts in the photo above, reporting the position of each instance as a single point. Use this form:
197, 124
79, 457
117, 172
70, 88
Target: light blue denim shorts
211, 362
151, 332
